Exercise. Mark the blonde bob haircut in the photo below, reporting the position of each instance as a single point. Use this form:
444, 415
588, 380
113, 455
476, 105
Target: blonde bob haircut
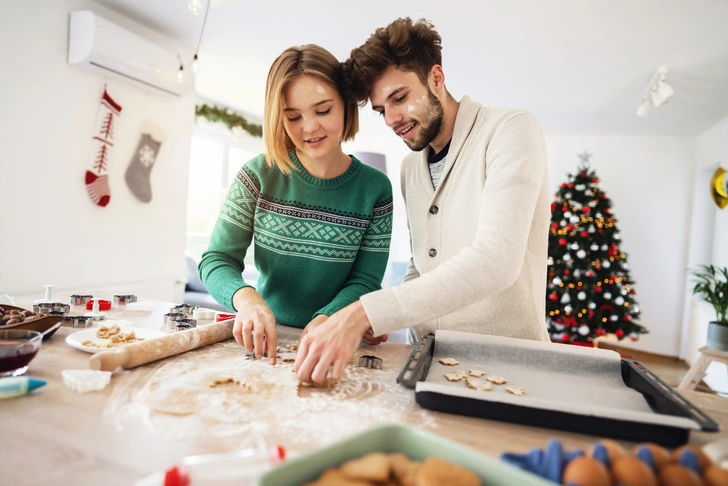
312, 60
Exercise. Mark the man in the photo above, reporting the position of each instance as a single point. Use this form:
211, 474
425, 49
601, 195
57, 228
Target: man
475, 188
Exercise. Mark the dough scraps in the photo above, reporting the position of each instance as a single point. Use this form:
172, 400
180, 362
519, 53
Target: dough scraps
106, 332
117, 340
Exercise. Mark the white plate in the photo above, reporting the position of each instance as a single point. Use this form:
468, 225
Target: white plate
89, 334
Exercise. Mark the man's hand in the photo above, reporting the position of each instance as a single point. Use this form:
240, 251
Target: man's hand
315, 322
332, 343
369, 338
255, 324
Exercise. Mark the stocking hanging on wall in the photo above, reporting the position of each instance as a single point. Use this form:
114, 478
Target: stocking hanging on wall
97, 178
143, 160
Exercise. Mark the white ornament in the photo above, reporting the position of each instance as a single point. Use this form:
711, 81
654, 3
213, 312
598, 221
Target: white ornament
581, 253
592, 204
598, 215
613, 318
633, 336
574, 219
607, 295
563, 222
577, 273
591, 229
588, 192
623, 291
567, 195
583, 329
619, 301
594, 247
580, 187
616, 236
606, 264
557, 280
581, 295
592, 305
575, 246
605, 247
557, 326
567, 308
565, 299
625, 265
550, 261
635, 309
567, 257
567, 214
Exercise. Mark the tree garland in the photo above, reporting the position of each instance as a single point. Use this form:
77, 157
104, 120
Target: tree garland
229, 118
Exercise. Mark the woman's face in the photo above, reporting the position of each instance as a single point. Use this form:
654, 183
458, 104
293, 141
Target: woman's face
313, 116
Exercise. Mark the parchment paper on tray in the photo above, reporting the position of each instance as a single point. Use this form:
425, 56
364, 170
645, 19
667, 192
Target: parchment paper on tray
556, 377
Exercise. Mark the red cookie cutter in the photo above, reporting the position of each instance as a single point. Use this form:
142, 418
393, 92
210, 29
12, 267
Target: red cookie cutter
103, 305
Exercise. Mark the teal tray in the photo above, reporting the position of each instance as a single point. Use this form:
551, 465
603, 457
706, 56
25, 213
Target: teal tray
389, 438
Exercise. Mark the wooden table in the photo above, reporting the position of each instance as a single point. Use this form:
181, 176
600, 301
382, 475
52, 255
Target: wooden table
56, 436
697, 370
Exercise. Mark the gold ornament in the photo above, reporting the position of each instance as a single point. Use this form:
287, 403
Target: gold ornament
719, 187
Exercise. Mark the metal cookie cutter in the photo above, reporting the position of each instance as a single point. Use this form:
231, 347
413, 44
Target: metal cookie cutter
184, 308
48, 307
122, 300
80, 300
171, 319
186, 322
78, 321
371, 362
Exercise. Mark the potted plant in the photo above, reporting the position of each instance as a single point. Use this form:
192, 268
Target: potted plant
712, 284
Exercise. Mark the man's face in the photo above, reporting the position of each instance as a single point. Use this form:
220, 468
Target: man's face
408, 107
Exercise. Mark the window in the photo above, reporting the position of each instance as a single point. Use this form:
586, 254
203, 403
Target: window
215, 159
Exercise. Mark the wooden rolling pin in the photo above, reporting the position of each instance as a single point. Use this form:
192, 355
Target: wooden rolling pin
142, 352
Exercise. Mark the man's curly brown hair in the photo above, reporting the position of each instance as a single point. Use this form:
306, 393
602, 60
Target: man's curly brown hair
410, 46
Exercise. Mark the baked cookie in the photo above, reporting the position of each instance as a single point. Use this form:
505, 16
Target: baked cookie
449, 361
438, 472
477, 373
374, 466
454, 376
334, 477
404, 469
479, 385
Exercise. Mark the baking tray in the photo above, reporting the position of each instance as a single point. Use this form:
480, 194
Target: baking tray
389, 438
626, 401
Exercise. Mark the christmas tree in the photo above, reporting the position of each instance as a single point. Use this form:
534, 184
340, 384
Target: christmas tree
589, 290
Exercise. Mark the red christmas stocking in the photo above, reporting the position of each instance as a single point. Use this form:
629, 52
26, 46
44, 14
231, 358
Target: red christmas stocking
97, 178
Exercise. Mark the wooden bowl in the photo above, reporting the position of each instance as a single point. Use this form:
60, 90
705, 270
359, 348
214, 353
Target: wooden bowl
46, 324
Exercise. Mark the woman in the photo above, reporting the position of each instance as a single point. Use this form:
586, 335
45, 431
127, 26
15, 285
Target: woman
320, 219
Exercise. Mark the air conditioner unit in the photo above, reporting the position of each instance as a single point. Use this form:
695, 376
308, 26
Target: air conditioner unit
105, 48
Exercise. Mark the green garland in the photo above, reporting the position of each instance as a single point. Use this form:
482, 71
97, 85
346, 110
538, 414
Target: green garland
229, 118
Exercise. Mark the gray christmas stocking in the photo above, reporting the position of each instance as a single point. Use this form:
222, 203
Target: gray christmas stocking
145, 156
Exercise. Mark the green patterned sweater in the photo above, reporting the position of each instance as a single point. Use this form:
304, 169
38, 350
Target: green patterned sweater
320, 244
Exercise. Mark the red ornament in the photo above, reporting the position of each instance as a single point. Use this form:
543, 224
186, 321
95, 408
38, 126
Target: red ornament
553, 296
555, 226
598, 290
601, 332
591, 313
613, 250
570, 227
603, 196
583, 174
595, 180
566, 338
563, 184
586, 209
567, 271
553, 207
600, 230
619, 333
585, 234
564, 209
628, 318
633, 291
562, 242
606, 211
571, 186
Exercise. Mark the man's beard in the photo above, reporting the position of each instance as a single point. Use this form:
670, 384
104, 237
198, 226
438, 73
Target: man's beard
430, 124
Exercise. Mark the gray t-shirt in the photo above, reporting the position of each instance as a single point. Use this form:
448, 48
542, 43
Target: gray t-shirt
437, 165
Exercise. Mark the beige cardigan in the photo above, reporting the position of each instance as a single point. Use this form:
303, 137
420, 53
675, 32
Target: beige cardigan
479, 242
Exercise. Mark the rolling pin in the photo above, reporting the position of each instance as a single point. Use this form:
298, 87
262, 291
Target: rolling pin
142, 352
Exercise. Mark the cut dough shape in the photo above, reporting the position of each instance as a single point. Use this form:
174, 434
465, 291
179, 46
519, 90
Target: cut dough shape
174, 400
288, 357
449, 361
293, 346
106, 332
515, 391
479, 385
497, 380
477, 373
454, 376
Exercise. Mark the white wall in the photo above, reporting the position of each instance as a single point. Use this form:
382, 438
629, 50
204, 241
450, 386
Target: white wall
50, 231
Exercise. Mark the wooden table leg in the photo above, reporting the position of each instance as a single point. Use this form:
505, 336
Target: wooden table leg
694, 374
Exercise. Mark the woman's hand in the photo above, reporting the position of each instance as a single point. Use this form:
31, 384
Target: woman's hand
315, 322
255, 324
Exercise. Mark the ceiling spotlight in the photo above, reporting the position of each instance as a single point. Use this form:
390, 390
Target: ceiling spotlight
657, 92
195, 6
